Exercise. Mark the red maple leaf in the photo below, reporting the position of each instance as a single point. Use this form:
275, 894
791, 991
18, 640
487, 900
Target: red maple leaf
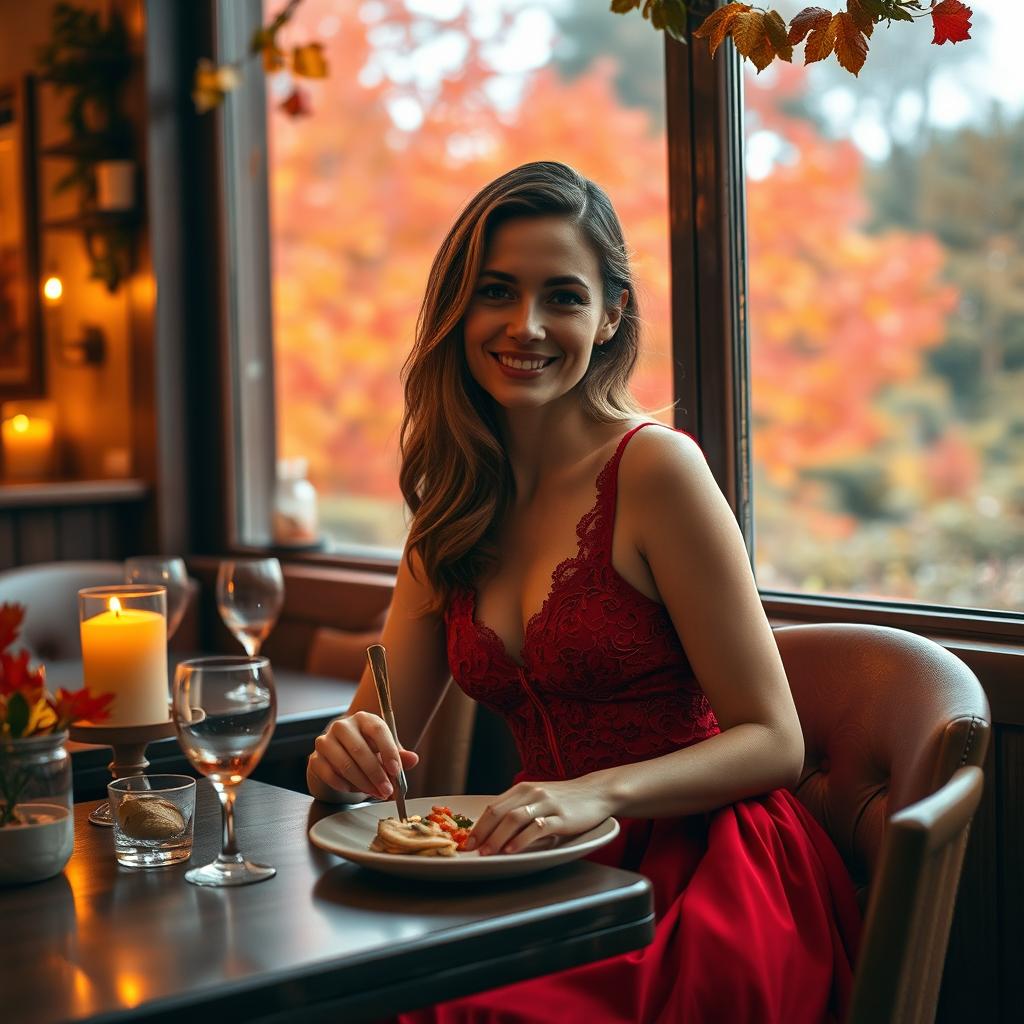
80, 706
952, 21
15, 675
298, 104
10, 622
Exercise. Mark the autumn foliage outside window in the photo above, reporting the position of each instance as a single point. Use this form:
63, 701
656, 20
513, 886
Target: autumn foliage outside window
885, 269
424, 104
887, 321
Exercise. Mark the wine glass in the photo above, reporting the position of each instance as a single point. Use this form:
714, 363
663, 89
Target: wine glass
224, 738
171, 574
250, 593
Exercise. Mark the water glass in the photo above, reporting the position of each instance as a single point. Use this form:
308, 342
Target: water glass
224, 710
154, 817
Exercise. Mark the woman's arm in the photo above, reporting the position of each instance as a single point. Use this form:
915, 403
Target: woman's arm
689, 538
355, 756
685, 531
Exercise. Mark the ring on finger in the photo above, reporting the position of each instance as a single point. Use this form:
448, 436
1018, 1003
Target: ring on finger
539, 822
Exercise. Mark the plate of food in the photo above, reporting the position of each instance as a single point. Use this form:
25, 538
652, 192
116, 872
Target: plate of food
427, 845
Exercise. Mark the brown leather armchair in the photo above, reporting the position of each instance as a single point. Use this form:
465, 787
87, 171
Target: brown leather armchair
888, 719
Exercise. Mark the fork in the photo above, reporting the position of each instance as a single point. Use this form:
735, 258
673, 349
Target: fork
377, 657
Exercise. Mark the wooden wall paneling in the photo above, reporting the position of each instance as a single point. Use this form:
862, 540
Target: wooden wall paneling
970, 984
8, 541
36, 536
344, 599
315, 596
1010, 775
105, 534
75, 532
289, 643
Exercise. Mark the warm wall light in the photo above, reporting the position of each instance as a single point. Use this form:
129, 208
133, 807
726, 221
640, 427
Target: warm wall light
88, 350
53, 288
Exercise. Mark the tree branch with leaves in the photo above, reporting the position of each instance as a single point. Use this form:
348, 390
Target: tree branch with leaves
213, 82
761, 35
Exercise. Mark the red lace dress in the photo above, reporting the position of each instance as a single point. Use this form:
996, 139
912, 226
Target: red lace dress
756, 916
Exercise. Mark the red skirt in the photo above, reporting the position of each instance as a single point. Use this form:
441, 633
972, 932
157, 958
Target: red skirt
757, 923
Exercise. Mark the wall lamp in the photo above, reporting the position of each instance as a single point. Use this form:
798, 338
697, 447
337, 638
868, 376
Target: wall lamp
88, 350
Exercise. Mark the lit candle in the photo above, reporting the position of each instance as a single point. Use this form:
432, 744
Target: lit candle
28, 447
124, 652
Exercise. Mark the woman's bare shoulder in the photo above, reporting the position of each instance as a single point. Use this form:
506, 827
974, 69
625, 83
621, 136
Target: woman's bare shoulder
658, 457
413, 588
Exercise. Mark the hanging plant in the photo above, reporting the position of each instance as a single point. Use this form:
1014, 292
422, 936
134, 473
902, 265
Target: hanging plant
213, 82
761, 35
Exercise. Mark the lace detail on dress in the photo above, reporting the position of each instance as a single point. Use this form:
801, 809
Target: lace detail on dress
602, 662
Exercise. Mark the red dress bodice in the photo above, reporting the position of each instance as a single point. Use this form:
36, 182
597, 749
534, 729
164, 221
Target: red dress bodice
603, 679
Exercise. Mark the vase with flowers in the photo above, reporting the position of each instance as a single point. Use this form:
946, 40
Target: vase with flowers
36, 821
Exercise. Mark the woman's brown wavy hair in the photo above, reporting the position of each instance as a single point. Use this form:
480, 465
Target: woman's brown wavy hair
455, 475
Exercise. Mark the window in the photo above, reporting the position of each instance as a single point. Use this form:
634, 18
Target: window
425, 103
868, 437
885, 235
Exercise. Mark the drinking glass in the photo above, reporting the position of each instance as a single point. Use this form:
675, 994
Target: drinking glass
224, 710
171, 574
250, 593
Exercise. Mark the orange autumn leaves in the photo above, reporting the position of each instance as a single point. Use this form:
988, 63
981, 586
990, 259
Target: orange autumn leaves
761, 36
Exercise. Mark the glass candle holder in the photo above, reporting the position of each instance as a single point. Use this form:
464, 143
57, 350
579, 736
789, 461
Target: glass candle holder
124, 650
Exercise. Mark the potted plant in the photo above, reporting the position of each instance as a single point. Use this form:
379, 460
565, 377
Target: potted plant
36, 821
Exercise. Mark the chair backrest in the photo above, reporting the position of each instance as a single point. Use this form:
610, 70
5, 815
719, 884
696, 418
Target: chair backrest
888, 717
49, 592
899, 966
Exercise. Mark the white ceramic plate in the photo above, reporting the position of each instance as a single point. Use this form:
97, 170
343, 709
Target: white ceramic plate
349, 833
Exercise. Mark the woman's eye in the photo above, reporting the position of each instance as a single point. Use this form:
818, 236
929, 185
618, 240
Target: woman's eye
494, 291
568, 298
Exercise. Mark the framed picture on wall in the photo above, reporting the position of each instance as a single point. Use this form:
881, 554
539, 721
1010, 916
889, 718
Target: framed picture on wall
21, 337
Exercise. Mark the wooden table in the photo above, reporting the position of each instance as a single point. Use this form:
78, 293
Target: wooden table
323, 940
305, 704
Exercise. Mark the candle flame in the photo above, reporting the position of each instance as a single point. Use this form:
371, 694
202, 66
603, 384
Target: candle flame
115, 606
53, 288
20, 423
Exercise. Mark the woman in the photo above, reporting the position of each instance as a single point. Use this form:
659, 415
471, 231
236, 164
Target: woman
618, 629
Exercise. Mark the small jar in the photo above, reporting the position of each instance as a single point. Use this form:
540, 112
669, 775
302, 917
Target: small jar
295, 506
37, 825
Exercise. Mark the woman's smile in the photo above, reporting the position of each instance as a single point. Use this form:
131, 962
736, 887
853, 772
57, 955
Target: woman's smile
522, 366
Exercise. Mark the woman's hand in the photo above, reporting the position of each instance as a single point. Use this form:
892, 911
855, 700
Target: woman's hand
357, 754
530, 812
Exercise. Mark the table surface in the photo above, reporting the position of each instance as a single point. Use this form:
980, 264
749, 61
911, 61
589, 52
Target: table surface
323, 940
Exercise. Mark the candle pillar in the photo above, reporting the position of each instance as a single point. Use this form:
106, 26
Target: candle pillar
28, 447
124, 650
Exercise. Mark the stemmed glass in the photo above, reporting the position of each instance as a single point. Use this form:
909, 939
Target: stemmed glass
171, 574
224, 736
250, 593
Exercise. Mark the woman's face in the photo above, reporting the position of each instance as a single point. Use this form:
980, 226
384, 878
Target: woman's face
537, 312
